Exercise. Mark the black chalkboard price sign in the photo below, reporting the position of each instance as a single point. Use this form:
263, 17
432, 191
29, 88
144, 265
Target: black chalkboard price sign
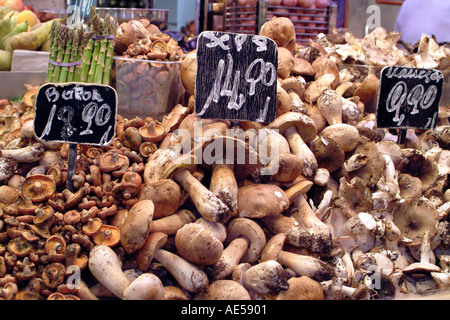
409, 98
76, 113
236, 77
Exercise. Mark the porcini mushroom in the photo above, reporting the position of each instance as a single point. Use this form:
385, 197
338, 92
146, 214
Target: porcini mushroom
261, 200
302, 265
299, 129
136, 226
197, 245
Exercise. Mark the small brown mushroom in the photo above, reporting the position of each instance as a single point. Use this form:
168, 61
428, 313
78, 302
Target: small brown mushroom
38, 188
224, 290
302, 288
152, 132
107, 235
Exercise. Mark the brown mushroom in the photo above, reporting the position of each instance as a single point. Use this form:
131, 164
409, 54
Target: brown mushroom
302, 265
107, 235
302, 288
53, 275
152, 132
261, 200
197, 245
299, 129
38, 188
224, 290
136, 226
165, 195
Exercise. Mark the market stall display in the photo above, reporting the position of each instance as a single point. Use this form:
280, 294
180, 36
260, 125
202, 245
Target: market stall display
349, 214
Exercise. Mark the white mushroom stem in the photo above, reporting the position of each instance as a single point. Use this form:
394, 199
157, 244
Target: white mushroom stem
189, 276
106, 268
206, 201
319, 233
145, 287
28, 154
224, 185
301, 149
388, 187
304, 265
325, 205
231, 256
362, 227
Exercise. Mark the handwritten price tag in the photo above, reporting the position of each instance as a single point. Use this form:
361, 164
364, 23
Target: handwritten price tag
236, 77
409, 98
76, 113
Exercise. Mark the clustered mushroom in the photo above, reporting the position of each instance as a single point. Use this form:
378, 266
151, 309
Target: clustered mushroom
345, 213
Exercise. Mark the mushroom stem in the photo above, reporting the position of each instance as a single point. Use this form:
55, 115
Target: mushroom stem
305, 265
28, 154
105, 267
320, 235
189, 276
206, 201
230, 258
301, 149
224, 185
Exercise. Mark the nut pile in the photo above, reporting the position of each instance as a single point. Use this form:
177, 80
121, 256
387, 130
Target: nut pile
349, 214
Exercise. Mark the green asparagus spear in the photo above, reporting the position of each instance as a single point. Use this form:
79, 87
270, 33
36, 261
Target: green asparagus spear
110, 53
56, 27
73, 54
88, 53
98, 31
81, 49
102, 52
67, 53
62, 39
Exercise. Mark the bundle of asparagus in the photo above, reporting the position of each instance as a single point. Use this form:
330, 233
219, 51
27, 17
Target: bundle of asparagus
79, 56
67, 47
99, 52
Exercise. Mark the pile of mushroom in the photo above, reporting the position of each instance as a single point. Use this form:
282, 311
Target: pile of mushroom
347, 214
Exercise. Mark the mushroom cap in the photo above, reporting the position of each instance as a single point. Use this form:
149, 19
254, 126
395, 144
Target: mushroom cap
38, 188
55, 244
92, 226
413, 217
154, 242
248, 228
302, 67
304, 124
410, 187
157, 163
418, 165
289, 166
189, 72
125, 190
273, 247
19, 247
224, 290
112, 160
152, 132
260, 200
165, 195
107, 235
355, 196
301, 187
53, 275
183, 162
345, 135
197, 245
302, 288
328, 153
174, 293
297, 84
222, 149
281, 30
267, 277
136, 226
285, 62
